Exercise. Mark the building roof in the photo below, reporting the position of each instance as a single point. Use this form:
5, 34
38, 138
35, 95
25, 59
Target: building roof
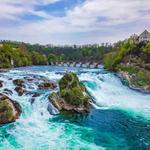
145, 34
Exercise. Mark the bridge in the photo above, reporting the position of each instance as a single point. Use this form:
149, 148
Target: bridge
77, 64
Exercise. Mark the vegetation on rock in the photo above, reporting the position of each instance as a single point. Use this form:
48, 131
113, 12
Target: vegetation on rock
72, 95
72, 90
9, 110
133, 59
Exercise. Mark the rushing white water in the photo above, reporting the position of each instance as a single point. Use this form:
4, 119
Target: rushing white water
109, 92
36, 129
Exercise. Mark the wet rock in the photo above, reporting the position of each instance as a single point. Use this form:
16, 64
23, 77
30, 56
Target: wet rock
32, 100
36, 94
7, 91
19, 82
72, 95
47, 85
20, 90
62, 105
132, 82
9, 110
1, 83
28, 79
56, 100
52, 110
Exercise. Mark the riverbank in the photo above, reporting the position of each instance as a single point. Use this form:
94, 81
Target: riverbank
131, 61
4, 70
130, 81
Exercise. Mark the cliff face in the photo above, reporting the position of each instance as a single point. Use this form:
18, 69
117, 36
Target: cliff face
135, 68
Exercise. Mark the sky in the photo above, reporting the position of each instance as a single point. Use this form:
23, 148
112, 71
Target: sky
72, 21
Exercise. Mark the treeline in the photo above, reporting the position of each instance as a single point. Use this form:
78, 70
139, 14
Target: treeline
19, 56
84, 54
64, 53
128, 51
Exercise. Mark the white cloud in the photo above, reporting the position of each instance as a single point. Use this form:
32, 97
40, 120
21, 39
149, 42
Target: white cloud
91, 16
114, 11
49, 1
10, 9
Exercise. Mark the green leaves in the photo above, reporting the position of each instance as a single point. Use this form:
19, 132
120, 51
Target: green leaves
72, 90
20, 56
146, 49
111, 60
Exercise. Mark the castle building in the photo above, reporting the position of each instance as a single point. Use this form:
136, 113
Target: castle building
144, 37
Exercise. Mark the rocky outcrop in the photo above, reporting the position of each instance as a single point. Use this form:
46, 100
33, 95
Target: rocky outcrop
47, 85
134, 83
19, 86
52, 110
9, 110
72, 95
20, 90
19, 82
134, 69
36, 94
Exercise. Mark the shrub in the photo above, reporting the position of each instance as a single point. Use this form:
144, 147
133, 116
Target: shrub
72, 90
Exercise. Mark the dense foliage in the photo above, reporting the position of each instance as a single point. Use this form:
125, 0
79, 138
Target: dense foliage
40, 54
133, 58
19, 56
111, 60
140, 51
72, 90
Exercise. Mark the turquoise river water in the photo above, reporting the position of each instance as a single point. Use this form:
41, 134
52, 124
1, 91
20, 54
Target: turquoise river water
120, 119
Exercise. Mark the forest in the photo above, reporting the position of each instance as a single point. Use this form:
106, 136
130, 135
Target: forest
25, 54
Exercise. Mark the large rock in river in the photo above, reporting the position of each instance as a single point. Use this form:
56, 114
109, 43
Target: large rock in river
47, 85
72, 95
20, 90
19, 82
9, 110
19, 86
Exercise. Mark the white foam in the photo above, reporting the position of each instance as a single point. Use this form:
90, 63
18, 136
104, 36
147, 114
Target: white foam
112, 94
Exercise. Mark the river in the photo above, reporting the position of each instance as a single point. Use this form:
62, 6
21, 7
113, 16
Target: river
120, 119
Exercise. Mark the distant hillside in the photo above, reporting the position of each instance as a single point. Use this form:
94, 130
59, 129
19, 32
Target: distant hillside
132, 61
18, 56
52, 53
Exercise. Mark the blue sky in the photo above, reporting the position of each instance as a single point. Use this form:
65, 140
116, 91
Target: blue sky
72, 21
